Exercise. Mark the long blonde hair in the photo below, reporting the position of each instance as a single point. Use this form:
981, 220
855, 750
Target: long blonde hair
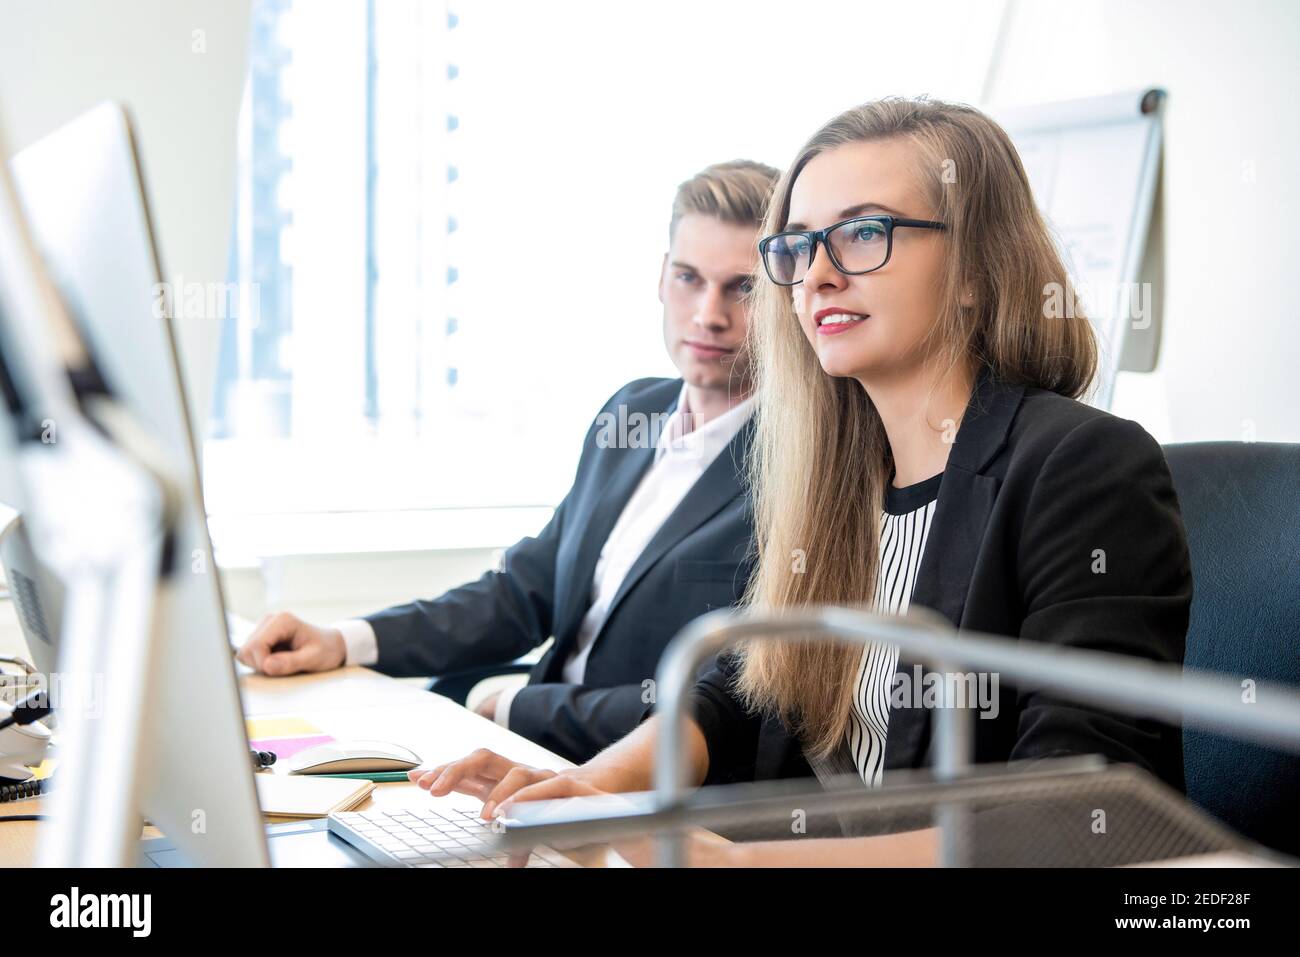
821, 460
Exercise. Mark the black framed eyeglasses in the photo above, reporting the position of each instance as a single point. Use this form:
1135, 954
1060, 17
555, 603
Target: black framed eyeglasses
856, 246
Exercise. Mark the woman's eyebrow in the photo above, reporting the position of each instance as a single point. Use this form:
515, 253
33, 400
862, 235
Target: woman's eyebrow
854, 211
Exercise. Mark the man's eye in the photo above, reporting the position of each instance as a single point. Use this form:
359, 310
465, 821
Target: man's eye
686, 276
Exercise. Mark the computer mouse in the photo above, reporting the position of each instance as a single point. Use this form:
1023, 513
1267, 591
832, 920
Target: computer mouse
352, 757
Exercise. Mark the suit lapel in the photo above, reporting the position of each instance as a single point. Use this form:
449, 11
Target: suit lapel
623, 480
966, 498
721, 482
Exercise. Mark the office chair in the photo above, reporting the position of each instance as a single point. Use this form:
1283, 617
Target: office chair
1241, 507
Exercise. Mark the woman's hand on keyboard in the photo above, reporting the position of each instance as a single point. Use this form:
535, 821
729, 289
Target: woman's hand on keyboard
495, 779
500, 782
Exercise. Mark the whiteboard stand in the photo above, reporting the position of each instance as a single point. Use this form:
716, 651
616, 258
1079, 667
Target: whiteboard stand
1141, 345
1094, 165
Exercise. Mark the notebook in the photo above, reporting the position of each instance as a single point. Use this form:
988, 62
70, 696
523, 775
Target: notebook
281, 795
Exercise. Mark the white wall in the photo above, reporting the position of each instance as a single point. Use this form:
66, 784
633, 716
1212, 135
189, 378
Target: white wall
1231, 349
60, 57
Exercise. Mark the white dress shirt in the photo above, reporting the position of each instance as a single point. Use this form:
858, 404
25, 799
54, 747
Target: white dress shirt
682, 454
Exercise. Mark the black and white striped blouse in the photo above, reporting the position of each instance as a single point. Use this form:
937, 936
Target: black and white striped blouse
904, 528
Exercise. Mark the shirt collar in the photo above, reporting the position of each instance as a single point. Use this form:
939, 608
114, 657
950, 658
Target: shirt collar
680, 438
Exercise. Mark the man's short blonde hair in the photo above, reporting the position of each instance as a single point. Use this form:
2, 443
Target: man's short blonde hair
735, 192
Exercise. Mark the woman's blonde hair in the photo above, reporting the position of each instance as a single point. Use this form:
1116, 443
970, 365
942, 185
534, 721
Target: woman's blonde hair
821, 460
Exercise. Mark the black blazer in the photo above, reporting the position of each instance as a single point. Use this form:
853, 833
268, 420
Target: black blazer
1034, 484
698, 561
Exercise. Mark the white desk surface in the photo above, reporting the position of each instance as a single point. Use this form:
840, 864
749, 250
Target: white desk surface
349, 703
360, 703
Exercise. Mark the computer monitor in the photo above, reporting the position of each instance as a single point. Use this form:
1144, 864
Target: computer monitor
34, 589
82, 195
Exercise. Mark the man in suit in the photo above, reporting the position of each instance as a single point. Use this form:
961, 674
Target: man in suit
654, 532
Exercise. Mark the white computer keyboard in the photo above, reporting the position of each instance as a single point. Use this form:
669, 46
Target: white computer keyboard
429, 837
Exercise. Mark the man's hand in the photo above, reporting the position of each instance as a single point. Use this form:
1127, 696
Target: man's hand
487, 708
284, 644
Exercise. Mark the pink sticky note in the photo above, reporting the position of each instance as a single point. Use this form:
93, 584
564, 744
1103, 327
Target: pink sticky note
284, 748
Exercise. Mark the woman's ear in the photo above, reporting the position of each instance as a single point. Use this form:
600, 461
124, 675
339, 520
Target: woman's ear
967, 299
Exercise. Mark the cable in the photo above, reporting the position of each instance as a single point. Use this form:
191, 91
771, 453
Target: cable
23, 789
20, 791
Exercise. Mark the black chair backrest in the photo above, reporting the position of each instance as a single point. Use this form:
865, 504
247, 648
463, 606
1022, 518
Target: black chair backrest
1241, 506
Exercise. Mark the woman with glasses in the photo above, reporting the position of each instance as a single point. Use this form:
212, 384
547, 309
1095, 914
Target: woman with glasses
920, 442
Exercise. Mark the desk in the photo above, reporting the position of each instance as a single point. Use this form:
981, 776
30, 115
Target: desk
360, 703
348, 703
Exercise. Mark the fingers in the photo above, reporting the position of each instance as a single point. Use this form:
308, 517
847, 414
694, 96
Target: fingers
553, 787
254, 647
514, 781
281, 663
272, 631
475, 774
475, 785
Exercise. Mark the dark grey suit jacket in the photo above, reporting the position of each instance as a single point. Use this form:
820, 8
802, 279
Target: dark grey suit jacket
698, 561
1034, 484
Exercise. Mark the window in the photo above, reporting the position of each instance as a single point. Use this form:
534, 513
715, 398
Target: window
450, 222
